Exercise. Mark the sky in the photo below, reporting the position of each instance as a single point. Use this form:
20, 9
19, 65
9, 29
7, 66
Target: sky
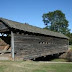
31, 11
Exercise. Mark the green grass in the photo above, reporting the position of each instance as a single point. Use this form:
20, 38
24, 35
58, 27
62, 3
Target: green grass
30, 66
59, 60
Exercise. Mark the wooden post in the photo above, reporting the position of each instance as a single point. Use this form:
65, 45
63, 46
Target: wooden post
12, 45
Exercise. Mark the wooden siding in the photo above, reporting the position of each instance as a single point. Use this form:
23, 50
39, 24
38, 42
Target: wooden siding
31, 46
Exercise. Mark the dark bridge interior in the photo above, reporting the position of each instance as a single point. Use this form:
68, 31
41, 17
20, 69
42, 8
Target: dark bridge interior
48, 57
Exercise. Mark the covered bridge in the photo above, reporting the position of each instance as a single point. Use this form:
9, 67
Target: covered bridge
23, 41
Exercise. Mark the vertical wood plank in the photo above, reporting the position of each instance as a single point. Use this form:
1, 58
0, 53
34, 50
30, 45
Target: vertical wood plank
12, 45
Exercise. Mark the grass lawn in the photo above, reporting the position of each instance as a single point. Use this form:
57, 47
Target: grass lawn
59, 60
30, 66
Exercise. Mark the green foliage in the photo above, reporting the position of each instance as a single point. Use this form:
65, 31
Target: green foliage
70, 46
56, 21
70, 38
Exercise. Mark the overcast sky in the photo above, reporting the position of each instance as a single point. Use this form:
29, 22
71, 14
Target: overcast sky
31, 11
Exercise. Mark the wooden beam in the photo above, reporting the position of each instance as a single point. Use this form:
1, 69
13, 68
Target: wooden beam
12, 45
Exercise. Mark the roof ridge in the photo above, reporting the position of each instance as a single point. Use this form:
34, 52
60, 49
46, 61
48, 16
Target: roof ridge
10, 20
30, 28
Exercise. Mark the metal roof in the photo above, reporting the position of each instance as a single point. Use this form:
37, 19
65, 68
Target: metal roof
29, 28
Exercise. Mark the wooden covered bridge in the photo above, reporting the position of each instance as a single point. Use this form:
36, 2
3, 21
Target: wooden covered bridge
23, 41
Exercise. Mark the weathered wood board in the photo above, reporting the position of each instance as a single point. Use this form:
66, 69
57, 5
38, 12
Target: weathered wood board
4, 41
31, 46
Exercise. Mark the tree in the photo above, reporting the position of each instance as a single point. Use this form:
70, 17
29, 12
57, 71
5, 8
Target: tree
56, 21
70, 38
